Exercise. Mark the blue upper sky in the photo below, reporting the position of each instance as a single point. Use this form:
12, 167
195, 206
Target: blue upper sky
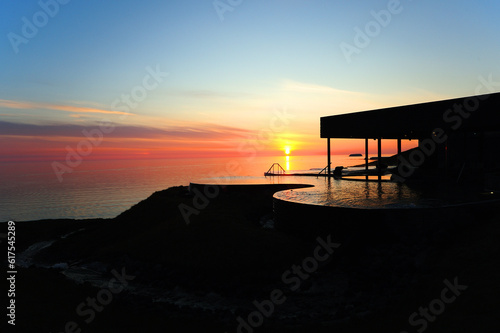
264, 54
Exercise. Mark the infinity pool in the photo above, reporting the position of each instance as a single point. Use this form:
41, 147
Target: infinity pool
377, 195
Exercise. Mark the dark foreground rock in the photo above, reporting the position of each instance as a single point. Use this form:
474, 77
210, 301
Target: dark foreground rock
148, 270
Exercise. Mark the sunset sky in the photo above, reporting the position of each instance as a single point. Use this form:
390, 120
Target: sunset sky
204, 78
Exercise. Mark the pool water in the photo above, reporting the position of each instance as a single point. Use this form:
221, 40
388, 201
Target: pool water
377, 195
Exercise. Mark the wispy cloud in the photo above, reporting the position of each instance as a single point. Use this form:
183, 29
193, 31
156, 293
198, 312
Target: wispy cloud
318, 100
194, 132
212, 94
24, 105
369, 99
295, 86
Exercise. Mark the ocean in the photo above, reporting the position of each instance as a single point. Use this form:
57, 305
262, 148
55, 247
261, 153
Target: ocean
103, 189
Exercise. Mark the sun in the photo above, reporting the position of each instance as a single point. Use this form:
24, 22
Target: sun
287, 150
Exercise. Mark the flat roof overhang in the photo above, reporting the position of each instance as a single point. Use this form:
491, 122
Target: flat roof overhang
417, 121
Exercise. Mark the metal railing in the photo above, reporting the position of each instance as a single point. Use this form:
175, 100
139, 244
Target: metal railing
324, 169
276, 167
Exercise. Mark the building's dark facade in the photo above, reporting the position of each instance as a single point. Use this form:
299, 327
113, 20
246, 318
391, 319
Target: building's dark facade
459, 139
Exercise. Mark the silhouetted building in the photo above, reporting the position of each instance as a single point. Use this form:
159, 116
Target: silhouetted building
459, 139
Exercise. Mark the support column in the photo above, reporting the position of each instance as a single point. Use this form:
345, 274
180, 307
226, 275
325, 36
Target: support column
366, 157
399, 151
329, 157
379, 157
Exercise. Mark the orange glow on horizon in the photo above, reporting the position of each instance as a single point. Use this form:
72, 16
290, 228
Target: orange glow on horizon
46, 147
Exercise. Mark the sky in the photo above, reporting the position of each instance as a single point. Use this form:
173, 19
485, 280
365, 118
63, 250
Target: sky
202, 78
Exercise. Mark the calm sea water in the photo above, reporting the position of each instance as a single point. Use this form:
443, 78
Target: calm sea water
104, 189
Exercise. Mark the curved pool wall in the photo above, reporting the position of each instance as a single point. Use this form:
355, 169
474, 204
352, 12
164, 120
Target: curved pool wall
405, 221
385, 210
